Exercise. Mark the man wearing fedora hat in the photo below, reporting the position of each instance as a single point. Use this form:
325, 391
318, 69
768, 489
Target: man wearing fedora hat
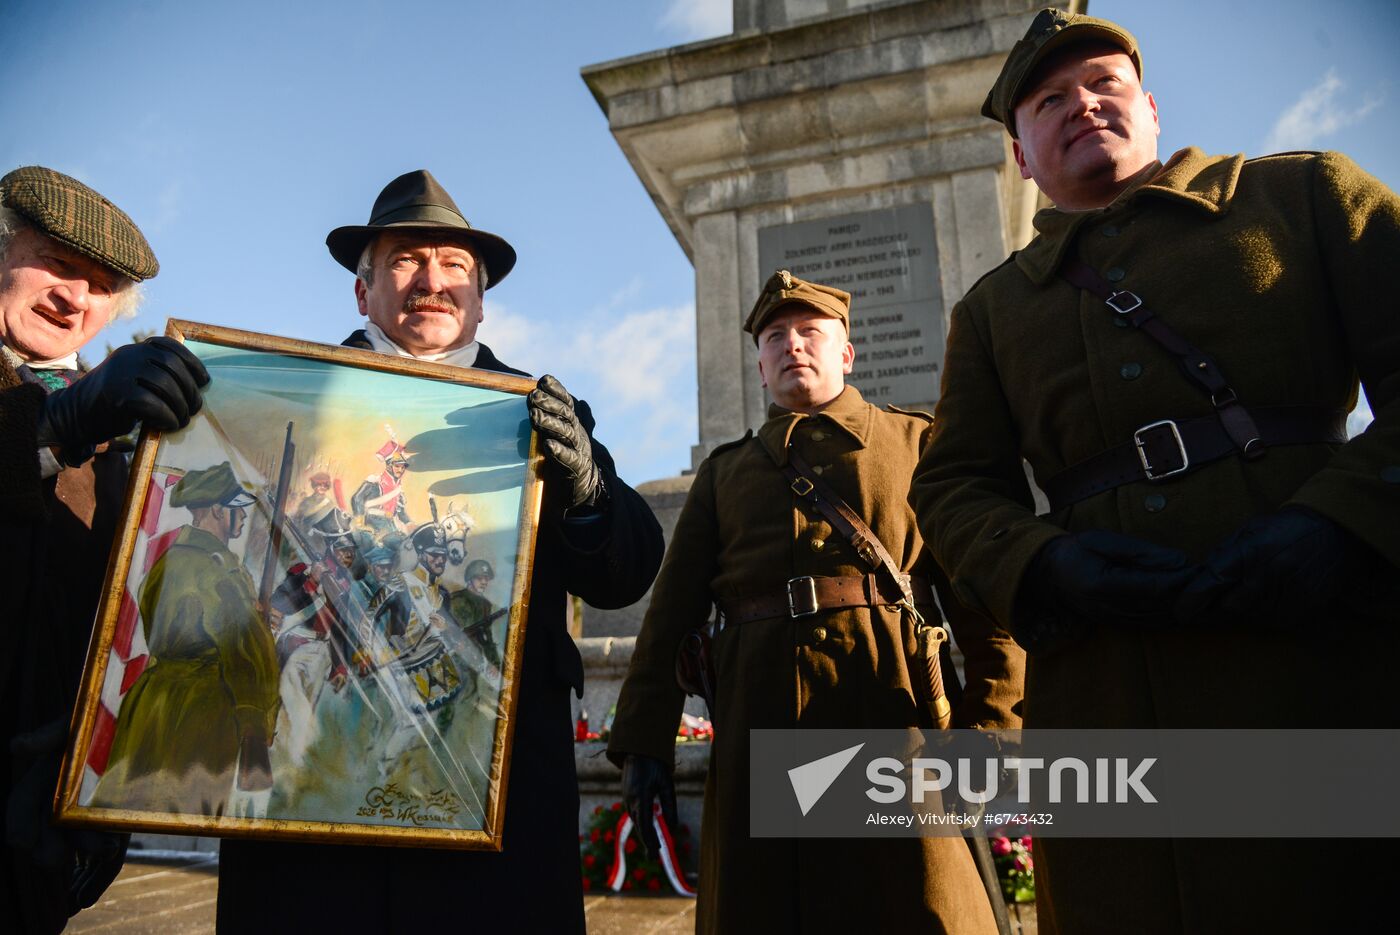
1175, 354
421, 274
70, 261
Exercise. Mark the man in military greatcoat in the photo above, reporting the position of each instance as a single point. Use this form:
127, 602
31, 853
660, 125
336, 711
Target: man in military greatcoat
1175, 355
744, 539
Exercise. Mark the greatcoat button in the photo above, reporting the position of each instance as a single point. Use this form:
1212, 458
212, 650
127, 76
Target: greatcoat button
1115, 274
1131, 370
1154, 502
818, 545
1121, 322
817, 469
818, 435
818, 634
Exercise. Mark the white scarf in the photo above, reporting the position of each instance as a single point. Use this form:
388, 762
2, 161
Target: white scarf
67, 362
460, 357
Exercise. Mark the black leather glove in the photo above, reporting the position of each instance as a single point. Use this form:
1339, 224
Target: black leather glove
156, 382
646, 780
1076, 581
1285, 570
84, 863
565, 440
98, 858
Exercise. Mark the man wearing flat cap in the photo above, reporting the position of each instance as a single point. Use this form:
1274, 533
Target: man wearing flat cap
1175, 355
836, 656
70, 261
421, 273
211, 675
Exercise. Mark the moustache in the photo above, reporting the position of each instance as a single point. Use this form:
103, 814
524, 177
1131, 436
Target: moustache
422, 301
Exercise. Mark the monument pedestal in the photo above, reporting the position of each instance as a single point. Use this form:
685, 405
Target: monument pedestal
843, 141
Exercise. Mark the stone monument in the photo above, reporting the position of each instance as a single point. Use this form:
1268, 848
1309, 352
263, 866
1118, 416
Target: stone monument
842, 140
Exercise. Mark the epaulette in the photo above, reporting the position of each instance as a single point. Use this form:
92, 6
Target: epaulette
991, 271
718, 449
917, 413
1290, 153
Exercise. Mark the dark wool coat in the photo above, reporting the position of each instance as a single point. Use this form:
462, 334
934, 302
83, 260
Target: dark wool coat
743, 532
1284, 268
55, 535
534, 884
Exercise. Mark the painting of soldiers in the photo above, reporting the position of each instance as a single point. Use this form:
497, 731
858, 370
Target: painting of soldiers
315, 672
211, 676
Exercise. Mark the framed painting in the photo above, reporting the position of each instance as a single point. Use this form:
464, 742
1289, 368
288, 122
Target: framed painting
312, 622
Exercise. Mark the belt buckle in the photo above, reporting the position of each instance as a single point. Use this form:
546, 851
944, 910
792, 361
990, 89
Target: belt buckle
1142, 449
1123, 302
802, 596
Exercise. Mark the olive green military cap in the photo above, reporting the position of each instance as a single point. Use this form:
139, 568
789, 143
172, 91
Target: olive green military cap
783, 288
71, 213
211, 487
1050, 30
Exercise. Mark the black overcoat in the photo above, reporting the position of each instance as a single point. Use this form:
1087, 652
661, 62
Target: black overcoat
534, 884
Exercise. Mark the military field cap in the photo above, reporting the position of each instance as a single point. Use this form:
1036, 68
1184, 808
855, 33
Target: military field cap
1050, 30
73, 214
478, 567
210, 487
416, 202
430, 537
783, 288
379, 555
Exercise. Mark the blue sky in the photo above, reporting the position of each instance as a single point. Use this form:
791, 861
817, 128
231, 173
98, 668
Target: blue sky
238, 135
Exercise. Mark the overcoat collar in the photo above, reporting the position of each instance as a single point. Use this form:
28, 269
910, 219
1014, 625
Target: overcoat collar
849, 412
1189, 177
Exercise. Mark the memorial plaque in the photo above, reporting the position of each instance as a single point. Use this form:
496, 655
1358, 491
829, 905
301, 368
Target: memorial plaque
888, 261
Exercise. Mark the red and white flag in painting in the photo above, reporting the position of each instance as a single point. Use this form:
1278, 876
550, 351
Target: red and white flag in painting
160, 524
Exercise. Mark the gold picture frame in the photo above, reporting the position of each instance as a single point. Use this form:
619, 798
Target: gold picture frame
243, 560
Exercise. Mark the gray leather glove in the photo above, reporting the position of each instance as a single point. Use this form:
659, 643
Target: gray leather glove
566, 442
155, 382
645, 781
1079, 580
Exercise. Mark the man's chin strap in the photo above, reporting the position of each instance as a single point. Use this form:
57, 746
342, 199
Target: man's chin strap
459, 357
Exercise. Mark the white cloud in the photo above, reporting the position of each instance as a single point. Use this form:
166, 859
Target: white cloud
636, 369
1315, 115
1360, 417
699, 19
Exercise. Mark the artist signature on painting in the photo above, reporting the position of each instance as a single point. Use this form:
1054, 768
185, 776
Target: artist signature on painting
392, 803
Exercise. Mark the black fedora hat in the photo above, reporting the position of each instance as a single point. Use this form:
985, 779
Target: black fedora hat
416, 202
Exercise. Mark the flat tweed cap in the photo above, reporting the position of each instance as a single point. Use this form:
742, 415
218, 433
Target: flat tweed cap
415, 202
71, 213
783, 288
1050, 30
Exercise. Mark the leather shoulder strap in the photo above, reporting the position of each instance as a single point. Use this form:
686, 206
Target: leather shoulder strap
809, 486
1200, 368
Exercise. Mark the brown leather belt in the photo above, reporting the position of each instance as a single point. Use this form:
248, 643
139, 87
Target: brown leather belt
1171, 448
805, 596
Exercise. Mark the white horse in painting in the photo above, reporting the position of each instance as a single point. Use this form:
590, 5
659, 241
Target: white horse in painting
456, 523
